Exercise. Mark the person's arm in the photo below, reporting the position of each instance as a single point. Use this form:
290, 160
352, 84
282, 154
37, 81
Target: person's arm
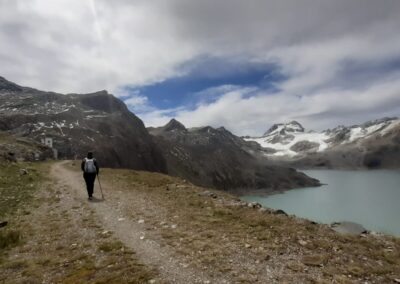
83, 165
97, 166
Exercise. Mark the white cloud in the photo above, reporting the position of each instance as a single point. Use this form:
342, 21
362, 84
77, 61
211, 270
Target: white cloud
136, 101
84, 46
253, 114
65, 46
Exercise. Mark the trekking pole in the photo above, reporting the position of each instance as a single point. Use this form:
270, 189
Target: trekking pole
101, 190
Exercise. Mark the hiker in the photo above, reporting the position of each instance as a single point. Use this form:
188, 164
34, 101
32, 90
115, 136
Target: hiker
90, 169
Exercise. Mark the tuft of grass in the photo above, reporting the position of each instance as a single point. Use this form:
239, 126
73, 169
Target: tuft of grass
295, 266
17, 264
315, 260
9, 238
110, 246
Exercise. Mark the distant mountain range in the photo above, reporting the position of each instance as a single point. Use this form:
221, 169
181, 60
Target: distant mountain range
215, 157
374, 144
99, 122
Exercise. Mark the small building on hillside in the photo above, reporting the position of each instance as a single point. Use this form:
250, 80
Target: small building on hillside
48, 141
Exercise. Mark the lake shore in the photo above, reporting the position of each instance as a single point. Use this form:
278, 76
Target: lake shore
363, 197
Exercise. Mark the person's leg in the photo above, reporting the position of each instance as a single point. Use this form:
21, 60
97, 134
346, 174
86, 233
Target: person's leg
87, 181
92, 178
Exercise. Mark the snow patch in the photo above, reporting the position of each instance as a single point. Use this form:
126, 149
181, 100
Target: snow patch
393, 124
283, 149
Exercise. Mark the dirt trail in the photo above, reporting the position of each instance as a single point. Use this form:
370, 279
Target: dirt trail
133, 234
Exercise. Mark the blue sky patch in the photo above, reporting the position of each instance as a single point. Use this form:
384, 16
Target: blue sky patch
207, 73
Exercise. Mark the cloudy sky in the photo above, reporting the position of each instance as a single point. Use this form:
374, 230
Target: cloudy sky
241, 64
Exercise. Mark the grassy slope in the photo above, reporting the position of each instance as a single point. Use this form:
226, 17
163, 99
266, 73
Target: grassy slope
222, 234
44, 240
16, 191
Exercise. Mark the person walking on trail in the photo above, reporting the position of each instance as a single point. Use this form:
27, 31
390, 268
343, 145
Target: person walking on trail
90, 170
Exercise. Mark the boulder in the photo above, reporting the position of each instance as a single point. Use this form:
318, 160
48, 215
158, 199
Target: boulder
350, 228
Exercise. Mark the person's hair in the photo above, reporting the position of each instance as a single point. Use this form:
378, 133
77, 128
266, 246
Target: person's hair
90, 155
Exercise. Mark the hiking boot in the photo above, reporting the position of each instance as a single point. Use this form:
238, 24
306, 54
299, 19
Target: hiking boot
90, 198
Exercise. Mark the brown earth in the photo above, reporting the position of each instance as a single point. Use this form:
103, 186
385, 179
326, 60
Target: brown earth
153, 228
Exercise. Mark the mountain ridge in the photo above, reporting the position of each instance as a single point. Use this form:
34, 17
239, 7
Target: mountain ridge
78, 123
215, 157
99, 122
357, 146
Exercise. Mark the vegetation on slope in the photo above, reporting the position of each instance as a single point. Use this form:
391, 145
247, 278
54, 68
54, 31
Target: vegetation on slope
61, 238
48, 239
217, 232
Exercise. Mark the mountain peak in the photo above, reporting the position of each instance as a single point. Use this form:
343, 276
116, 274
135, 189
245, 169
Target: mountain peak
284, 128
6, 85
173, 124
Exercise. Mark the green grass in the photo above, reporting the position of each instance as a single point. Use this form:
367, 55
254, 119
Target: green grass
203, 220
17, 189
16, 192
110, 246
9, 238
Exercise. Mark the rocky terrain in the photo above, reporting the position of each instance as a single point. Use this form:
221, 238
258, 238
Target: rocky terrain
78, 123
22, 149
215, 157
99, 122
374, 144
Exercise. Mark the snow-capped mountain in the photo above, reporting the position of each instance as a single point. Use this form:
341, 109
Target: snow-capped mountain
343, 135
291, 141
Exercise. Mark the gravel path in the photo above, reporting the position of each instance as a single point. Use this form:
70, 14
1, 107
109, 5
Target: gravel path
134, 234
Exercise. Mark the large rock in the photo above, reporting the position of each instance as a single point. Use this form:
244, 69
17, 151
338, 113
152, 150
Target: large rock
350, 228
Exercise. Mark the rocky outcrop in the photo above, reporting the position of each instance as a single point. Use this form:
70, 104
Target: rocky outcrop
304, 146
215, 157
77, 124
15, 149
285, 128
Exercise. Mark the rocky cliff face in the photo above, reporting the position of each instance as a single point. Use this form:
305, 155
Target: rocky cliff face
215, 157
77, 124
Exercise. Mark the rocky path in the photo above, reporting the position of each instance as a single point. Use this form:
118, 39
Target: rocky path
133, 233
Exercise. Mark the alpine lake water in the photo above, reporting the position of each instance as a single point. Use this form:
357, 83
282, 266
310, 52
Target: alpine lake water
369, 198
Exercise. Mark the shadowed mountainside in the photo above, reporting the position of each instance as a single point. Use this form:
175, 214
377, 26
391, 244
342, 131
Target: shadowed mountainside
215, 157
97, 122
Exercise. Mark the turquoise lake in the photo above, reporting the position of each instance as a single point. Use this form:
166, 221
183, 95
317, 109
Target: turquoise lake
370, 198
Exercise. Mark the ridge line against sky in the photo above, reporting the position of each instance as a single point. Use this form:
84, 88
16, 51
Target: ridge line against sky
239, 64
